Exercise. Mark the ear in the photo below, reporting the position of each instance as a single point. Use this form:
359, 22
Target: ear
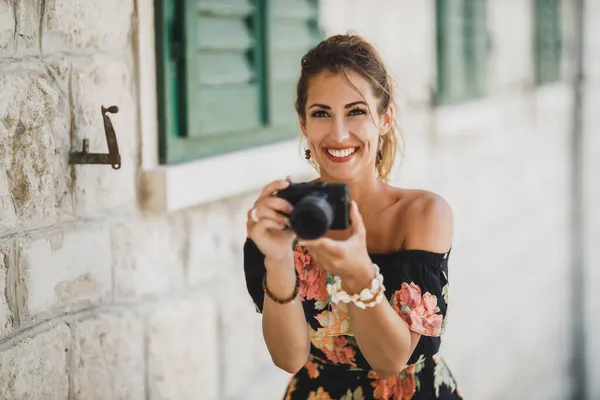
387, 120
302, 123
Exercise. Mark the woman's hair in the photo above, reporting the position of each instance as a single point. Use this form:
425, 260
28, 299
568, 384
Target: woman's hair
338, 54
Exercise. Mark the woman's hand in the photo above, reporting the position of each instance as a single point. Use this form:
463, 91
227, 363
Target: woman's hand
348, 259
270, 231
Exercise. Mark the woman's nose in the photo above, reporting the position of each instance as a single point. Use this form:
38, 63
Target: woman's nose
340, 130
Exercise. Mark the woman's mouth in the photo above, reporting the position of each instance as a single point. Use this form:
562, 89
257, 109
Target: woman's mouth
340, 155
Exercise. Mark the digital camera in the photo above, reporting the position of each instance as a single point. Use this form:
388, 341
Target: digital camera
318, 207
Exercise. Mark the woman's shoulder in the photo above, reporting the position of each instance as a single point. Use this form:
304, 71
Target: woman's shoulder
418, 197
427, 219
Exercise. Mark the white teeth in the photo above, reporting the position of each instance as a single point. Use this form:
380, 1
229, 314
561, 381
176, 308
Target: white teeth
341, 153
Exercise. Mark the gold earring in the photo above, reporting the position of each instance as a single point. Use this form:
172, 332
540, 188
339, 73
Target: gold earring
307, 154
380, 152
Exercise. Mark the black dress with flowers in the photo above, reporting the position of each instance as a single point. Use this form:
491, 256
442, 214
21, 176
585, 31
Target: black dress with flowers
416, 284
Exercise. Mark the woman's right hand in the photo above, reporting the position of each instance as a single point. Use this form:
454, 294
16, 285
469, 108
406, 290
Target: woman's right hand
272, 233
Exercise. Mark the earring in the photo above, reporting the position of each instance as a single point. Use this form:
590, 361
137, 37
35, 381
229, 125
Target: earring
307, 154
380, 151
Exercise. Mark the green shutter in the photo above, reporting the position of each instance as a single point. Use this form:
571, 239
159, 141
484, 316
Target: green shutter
547, 41
222, 89
476, 45
226, 72
292, 33
462, 47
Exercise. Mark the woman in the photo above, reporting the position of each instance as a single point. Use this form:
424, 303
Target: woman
384, 346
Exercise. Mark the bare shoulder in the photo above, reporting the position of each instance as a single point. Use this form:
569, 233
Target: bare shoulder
428, 220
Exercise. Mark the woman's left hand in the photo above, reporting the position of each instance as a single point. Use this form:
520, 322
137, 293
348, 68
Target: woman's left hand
348, 259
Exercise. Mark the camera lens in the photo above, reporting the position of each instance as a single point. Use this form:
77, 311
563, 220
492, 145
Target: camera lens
311, 218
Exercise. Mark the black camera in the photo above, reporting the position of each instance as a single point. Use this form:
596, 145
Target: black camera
318, 207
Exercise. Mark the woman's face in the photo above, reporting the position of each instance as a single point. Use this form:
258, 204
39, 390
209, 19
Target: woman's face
342, 126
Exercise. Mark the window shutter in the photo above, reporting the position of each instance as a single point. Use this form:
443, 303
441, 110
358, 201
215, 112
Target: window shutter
476, 46
547, 41
451, 42
293, 31
222, 85
226, 73
462, 47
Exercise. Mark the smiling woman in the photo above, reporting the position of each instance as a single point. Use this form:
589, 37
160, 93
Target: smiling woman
344, 137
358, 88
374, 296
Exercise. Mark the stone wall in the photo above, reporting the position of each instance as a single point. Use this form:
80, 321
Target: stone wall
101, 301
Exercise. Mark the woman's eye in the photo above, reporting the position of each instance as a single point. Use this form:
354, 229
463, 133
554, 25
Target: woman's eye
357, 111
318, 114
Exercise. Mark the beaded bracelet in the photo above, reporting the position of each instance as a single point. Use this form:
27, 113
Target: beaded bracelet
282, 301
375, 293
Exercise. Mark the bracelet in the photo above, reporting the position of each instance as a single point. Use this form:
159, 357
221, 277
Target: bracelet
282, 301
362, 300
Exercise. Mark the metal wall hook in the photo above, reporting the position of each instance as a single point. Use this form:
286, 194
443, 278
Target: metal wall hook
113, 157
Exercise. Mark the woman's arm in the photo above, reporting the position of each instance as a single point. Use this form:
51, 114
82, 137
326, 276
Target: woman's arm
284, 325
382, 336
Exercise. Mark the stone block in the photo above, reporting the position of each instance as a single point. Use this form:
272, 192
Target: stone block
74, 26
108, 357
243, 346
150, 257
238, 208
28, 15
183, 351
61, 272
7, 28
34, 143
37, 368
209, 246
97, 81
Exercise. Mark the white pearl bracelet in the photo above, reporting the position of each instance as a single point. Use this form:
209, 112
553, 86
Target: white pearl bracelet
376, 292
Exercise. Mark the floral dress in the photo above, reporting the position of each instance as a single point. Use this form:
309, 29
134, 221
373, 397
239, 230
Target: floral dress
416, 284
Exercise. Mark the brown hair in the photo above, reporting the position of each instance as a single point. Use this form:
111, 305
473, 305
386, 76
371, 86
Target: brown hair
337, 54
